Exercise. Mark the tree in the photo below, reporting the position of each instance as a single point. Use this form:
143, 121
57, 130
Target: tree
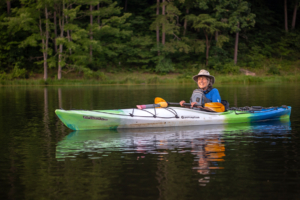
296, 5
111, 35
240, 18
92, 13
169, 20
163, 39
61, 22
8, 6
285, 17
188, 4
157, 25
91, 32
33, 17
209, 25
78, 46
55, 28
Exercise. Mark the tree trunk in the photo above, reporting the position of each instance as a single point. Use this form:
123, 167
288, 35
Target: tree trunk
157, 26
163, 25
285, 17
295, 15
207, 54
216, 35
69, 31
62, 26
46, 46
207, 47
55, 31
98, 18
236, 46
44, 36
91, 33
71, 7
185, 22
8, 5
59, 61
125, 9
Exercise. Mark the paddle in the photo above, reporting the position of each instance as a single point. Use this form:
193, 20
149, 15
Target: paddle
161, 103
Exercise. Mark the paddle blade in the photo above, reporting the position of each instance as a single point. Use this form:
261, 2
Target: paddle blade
159, 100
163, 104
217, 107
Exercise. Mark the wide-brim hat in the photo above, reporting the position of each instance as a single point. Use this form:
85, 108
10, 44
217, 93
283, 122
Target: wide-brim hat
204, 72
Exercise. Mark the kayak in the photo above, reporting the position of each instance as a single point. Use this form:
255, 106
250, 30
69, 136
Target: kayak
164, 117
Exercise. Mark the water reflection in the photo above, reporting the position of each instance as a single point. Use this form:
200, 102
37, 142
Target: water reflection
59, 98
137, 140
217, 162
206, 144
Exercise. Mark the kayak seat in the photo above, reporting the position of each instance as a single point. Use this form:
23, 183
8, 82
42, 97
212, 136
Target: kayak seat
226, 104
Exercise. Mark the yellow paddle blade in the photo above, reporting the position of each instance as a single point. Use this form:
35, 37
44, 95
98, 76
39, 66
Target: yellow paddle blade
158, 100
217, 107
161, 102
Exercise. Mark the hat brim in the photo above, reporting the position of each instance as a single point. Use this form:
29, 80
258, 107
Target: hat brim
211, 77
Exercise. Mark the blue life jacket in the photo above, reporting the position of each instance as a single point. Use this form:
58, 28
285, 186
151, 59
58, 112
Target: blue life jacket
213, 95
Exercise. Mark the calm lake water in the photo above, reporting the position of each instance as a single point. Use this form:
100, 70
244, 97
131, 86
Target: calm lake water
40, 158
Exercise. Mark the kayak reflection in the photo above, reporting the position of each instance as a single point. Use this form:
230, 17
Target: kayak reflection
149, 140
203, 141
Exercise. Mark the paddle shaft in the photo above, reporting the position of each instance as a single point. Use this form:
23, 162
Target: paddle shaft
185, 104
158, 105
149, 106
214, 106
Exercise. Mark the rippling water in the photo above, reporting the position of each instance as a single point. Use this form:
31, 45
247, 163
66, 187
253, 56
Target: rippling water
43, 159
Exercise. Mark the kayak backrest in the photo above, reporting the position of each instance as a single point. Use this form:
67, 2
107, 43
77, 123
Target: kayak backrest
226, 104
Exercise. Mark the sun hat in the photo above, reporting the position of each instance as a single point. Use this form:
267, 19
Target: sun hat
204, 72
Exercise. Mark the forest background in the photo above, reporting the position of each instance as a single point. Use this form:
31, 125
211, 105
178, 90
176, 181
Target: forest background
95, 39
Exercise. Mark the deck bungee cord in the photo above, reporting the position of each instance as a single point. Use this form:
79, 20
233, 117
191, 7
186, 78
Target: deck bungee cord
252, 109
171, 110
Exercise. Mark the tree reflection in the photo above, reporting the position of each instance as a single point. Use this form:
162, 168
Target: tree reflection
59, 98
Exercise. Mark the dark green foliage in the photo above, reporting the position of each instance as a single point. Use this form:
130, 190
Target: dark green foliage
230, 68
126, 40
218, 57
16, 73
164, 66
274, 70
89, 74
254, 58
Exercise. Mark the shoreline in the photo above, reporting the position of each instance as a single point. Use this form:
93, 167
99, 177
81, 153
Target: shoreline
148, 79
